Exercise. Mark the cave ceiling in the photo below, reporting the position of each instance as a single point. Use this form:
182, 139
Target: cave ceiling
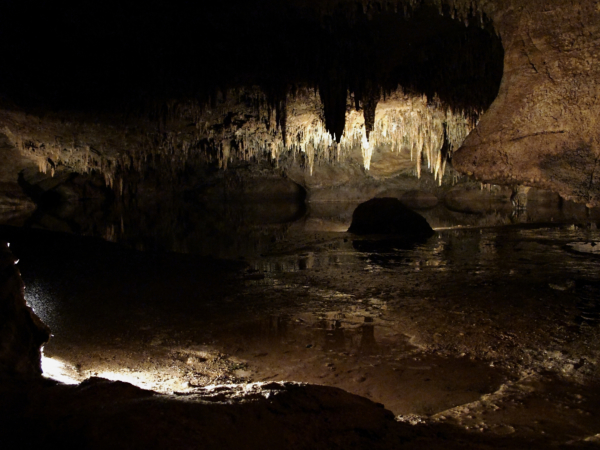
116, 89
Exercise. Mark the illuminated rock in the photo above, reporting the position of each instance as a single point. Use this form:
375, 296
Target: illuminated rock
338, 77
542, 129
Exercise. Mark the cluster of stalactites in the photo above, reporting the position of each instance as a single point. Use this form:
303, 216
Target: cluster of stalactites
466, 11
463, 10
430, 132
424, 128
74, 155
49, 155
427, 130
254, 132
243, 125
305, 134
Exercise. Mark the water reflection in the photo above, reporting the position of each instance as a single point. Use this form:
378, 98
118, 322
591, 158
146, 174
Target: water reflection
349, 332
386, 252
368, 345
334, 337
229, 227
381, 319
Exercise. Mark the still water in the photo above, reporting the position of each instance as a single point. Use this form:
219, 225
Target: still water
496, 328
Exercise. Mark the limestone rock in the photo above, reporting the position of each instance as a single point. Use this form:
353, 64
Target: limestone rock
542, 129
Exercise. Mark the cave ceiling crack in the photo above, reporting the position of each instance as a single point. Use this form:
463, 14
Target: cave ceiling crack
541, 133
536, 50
529, 56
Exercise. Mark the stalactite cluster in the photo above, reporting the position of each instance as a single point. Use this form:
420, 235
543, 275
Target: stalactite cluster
48, 155
413, 123
464, 10
242, 126
329, 84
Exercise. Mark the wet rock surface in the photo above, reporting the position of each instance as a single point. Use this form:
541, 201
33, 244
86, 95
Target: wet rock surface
488, 331
103, 414
99, 413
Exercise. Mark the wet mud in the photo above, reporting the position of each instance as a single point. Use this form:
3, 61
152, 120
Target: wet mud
495, 329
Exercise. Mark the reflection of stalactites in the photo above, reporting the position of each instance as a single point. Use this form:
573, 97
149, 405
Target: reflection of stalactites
224, 155
334, 337
368, 344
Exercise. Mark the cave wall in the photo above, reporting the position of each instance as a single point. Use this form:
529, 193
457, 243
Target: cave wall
542, 129
145, 117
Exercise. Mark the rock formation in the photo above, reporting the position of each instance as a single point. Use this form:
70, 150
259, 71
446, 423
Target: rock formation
541, 130
21, 331
412, 78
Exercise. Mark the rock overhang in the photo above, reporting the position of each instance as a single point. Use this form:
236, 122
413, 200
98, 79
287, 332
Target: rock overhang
244, 80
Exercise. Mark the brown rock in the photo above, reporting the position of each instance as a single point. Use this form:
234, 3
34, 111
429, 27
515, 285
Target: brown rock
543, 126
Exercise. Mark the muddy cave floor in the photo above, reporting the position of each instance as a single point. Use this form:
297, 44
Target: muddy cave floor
494, 329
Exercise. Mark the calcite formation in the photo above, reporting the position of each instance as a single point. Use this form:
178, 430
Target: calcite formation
408, 76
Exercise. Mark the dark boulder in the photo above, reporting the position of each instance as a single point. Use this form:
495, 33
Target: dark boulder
388, 216
22, 333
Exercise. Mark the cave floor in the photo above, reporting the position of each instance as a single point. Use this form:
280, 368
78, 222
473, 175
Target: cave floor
493, 329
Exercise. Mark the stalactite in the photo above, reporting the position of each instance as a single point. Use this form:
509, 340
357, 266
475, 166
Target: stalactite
243, 125
369, 108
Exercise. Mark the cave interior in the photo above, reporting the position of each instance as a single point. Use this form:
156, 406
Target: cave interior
181, 185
